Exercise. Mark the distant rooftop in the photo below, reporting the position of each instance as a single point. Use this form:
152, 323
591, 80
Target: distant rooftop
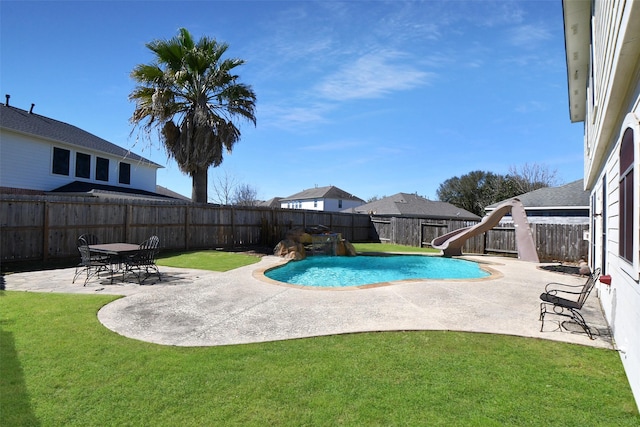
571, 195
329, 192
271, 203
405, 204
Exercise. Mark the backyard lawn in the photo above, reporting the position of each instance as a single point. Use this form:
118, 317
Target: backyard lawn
207, 260
60, 366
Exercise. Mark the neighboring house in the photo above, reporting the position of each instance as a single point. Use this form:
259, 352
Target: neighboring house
271, 203
412, 205
38, 153
566, 204
328, 199
602, 41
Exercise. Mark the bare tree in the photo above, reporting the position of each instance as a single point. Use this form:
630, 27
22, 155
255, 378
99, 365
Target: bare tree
529, 177
223, 189
245, 195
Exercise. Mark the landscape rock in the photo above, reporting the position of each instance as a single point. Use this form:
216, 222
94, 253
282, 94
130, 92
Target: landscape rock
293, 245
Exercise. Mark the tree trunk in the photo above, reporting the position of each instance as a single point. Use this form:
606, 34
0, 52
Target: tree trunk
199, 186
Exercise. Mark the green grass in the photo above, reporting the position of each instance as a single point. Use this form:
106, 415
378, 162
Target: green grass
207, 260
386, 247
61, 367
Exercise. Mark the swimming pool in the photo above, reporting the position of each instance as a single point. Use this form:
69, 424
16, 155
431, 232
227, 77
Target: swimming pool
339, 272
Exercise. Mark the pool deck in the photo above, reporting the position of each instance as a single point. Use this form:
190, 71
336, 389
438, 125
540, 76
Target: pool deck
202, 308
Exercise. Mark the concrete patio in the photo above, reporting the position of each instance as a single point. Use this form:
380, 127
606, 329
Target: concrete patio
202, 308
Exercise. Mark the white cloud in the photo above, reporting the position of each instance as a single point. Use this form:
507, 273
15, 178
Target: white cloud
293, 117
372, 76
333, 146
531, 107
529, 35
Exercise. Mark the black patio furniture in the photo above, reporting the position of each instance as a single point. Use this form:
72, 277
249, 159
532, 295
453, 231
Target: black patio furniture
567, 301
143, 261
116, 255
90, 263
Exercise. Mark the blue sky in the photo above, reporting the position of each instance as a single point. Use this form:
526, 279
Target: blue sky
374, 97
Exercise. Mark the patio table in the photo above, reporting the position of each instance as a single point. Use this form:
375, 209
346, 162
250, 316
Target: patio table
119, 249
116, 252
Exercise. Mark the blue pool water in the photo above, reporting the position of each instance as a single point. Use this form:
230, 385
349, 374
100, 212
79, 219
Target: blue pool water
335, 272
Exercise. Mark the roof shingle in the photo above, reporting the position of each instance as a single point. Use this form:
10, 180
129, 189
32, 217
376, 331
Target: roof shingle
329, 192
413, 205
572, 194
25, 122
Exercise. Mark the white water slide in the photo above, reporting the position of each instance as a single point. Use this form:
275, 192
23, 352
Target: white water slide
452, 242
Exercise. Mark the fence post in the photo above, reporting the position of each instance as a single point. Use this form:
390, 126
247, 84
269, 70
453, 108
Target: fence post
394, 224
484, 242
45, 233
233, 227
187, 236
353, 227
128, 213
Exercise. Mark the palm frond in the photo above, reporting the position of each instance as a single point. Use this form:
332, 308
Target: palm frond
192, 97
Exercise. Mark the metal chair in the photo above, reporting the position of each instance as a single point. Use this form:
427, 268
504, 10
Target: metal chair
89, 239
567, 300
91, 264
145, 259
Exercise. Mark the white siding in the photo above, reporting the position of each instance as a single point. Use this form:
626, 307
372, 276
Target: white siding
613, 105
333, 205
311, 205
326, 205
26, 162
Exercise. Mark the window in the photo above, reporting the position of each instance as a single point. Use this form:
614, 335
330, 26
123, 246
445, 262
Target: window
626, 196
83, 165
315, 203
339, 204
124, 176
102, 169
61, 160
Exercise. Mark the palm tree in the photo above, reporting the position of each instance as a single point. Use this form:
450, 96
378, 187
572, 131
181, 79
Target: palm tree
190, 95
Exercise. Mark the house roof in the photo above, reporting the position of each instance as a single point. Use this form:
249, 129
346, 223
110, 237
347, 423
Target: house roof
105, 190
577, 39
329, 192
413, 205
29, 123
570, 195
164, 191
271, 203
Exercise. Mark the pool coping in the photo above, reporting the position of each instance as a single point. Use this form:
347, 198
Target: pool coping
494, 274
196, 308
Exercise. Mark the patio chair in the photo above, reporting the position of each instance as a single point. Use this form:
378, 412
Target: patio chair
91, 239
144, 260
567, 300
91, 264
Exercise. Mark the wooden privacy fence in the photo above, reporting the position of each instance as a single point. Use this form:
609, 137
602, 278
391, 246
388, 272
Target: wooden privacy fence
44, 228
554, 242
419, 232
